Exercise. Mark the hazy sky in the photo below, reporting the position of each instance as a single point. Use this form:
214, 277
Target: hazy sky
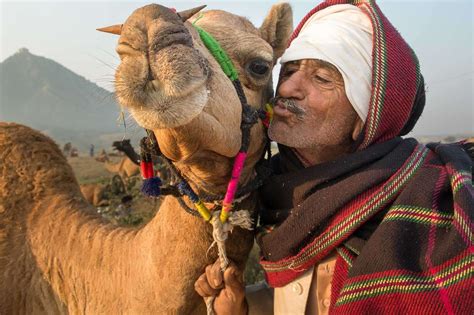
441, 33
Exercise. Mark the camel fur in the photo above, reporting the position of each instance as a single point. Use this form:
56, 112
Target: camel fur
125, 168
57, 257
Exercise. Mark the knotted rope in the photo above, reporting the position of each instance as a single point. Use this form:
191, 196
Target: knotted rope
220, 233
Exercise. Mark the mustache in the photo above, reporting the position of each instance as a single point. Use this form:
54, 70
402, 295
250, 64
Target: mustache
290, 104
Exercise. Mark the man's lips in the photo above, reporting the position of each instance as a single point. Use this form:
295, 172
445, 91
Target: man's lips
280, 110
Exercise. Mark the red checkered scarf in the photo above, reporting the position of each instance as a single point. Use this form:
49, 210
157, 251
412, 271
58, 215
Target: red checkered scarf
399, 214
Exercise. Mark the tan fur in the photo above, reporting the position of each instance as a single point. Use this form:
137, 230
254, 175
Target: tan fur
56, 257
125, 168
94, 194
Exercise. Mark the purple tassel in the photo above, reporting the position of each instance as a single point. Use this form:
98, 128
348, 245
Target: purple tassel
151, 187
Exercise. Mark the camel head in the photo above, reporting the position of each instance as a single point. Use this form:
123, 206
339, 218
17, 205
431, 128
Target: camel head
172, 85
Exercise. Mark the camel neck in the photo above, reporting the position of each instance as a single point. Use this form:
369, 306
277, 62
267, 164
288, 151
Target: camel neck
78, 253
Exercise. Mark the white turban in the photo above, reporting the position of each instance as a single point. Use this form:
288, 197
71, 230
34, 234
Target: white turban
341, 35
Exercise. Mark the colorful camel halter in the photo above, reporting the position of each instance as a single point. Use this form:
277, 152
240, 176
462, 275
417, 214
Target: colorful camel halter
249, 117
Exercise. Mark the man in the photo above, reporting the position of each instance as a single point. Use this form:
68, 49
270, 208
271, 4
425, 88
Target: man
360, 220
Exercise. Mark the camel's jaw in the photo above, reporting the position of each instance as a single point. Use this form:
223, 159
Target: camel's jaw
162, 78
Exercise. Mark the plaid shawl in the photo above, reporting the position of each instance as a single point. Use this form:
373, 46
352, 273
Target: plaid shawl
398, 213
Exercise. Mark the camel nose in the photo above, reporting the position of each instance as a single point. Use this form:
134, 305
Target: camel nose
151, 77
168, 34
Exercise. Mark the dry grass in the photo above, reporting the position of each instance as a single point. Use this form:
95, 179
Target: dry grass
89, 171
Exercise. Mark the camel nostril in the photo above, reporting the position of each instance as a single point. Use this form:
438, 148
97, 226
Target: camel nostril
150, 74
169, 36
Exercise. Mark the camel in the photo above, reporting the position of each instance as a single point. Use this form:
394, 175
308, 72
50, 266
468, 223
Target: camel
125, 168
97, 194
94, 194
126, 147
160, 167
56, 257
102, 156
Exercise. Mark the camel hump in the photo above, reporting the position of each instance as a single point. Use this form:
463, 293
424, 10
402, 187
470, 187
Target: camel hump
19, 142
31, 163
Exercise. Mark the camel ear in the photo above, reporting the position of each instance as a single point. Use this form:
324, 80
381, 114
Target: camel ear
277, 28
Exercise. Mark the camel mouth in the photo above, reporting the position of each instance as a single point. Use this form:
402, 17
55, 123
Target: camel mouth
160, 112
152, 85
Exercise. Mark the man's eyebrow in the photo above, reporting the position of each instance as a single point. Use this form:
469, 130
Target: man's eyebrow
291, 65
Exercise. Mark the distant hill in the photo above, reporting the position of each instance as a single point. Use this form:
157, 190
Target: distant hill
43, 94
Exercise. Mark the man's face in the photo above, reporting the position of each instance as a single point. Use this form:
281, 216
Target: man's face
319, 113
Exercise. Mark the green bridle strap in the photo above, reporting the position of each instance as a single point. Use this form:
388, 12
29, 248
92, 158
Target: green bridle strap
218, 53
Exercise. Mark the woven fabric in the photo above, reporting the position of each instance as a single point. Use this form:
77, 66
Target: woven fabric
399, 214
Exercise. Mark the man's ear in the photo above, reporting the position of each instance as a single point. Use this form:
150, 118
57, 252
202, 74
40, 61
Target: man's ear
359, 125
277, 28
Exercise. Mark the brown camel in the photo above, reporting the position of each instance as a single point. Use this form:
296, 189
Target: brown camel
56, 257
126, 147
94, 194
125, 168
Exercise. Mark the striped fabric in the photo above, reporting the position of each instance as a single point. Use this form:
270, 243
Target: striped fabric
417, 257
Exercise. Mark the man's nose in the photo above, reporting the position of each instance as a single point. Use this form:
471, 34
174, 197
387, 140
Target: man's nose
293, 86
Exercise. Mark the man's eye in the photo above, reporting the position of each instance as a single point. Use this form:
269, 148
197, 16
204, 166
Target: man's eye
287, 73
321, 79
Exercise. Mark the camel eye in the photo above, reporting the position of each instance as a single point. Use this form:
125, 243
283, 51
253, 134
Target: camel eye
258, 67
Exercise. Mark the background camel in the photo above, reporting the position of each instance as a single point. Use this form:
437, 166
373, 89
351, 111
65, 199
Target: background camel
126, 147
125, 168
98, 194
160, 167
95, 194
56, 257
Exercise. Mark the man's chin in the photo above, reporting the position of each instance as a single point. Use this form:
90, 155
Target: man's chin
280, 133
